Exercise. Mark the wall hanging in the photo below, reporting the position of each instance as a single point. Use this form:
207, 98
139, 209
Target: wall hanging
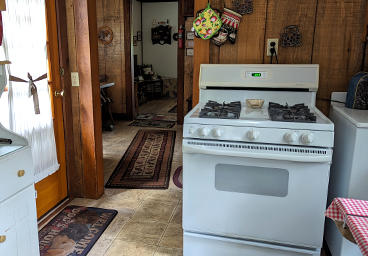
243, 6
207, 24
230, 24
197, 15
161, 35
105, 35
291, 36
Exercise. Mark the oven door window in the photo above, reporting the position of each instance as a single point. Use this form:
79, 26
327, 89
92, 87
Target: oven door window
252, 180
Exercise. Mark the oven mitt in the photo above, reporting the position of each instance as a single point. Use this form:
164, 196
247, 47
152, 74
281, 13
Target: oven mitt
207, 23
221, 37
230, 22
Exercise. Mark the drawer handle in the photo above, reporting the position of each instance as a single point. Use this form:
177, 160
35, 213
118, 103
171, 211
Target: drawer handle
21, 173
2, 239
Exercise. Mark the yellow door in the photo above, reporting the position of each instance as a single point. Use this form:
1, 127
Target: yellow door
53, 189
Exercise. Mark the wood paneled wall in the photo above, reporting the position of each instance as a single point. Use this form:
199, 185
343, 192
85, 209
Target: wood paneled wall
111, 56
331, 37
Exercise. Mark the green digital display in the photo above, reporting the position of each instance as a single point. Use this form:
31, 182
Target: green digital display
256, 74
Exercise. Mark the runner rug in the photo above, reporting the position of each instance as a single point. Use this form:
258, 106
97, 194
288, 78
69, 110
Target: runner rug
153, 123
147, 161
74, 231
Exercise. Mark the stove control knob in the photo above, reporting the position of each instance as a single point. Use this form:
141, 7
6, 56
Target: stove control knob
217, 132
203, 132
253, 135
308, 138
291, 137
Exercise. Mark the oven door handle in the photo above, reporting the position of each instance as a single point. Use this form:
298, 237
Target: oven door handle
281, 156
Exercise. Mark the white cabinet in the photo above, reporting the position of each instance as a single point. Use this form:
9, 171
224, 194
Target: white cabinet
18, 217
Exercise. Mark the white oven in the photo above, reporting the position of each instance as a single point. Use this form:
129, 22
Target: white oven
283, 187
253, 186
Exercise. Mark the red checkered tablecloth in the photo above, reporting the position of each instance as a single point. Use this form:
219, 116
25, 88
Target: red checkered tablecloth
359, 228
355, 213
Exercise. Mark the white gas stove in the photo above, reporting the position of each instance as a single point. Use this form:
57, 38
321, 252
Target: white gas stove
255, 179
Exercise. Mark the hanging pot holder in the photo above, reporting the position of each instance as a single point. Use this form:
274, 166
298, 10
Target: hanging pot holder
197, 15
207, 24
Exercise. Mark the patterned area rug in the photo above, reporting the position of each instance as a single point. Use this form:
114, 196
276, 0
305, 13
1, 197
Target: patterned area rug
156, 117
74, 231
153, 123
174, 109
147, 161
178, 177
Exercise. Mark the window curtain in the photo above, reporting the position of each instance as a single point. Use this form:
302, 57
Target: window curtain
24, 44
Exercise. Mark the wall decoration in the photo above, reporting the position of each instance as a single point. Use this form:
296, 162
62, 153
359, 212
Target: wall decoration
161, 35
190, 52
190, 35
243, 6
190, 44
291, 36
139, 35
135, 41
105, 35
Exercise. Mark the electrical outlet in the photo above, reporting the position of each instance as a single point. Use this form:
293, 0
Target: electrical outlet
75, 78
269, 41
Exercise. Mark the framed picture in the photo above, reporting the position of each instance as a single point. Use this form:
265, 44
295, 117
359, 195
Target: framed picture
139, 35
190, 51
190, 35
135, 41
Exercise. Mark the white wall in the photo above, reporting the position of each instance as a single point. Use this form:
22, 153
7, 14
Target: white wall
162, 57
136, 19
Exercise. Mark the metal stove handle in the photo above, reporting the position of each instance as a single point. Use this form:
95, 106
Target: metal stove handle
281, 156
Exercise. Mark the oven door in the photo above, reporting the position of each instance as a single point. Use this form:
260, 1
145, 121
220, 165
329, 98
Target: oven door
259, 192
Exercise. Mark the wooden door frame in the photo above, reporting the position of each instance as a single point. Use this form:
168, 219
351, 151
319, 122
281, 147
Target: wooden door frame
67, 101
128, 64
87, 57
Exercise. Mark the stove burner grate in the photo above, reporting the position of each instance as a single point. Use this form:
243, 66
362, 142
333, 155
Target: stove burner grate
213, 109
297, 113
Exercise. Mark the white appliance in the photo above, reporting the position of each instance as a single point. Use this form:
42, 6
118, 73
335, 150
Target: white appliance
18, 216
349, 171
254, 186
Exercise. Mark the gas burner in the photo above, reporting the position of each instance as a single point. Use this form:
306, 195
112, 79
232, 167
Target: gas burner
213, 109
297, 113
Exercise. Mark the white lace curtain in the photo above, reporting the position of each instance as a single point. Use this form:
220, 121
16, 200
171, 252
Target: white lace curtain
24, 44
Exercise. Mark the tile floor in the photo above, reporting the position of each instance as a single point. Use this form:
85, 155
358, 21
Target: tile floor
148, 221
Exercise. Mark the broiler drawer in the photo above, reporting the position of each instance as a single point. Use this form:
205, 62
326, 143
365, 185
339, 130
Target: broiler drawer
16, 172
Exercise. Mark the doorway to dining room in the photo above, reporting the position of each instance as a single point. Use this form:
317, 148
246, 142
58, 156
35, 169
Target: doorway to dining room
155, 50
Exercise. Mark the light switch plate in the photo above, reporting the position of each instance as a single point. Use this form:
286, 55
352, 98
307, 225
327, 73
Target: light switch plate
75, 78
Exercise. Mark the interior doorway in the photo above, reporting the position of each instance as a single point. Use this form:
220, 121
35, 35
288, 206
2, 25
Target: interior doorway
155, 60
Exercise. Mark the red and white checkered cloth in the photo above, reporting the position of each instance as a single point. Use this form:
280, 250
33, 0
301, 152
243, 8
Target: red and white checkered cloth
358, 224
359, 228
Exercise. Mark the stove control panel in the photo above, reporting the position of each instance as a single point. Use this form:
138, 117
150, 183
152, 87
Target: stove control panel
280, 136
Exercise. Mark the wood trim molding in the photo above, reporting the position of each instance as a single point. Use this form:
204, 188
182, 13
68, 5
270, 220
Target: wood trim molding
128, 60
67, 101
201, 54
87, 59
181, 60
